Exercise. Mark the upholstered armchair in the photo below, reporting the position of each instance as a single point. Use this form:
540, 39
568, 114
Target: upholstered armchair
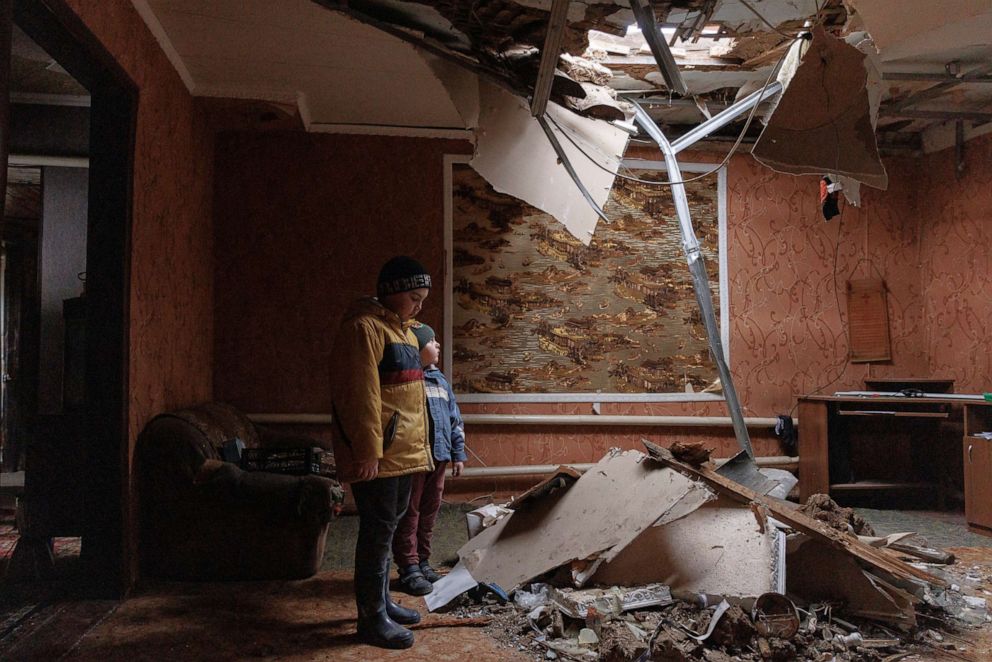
205, 519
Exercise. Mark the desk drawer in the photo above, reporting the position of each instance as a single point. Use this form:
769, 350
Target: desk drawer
978, 482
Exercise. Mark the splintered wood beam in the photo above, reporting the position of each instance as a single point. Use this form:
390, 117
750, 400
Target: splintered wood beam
791, 516
659, 47
553, 39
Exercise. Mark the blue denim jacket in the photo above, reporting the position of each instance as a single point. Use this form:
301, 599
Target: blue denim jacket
446, 420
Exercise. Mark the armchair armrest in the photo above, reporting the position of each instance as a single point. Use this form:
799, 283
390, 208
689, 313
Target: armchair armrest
312, 499
268, 438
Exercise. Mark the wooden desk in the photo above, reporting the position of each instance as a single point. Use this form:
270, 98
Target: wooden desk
818, 414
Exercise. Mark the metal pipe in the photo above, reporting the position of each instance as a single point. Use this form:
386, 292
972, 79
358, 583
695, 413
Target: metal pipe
612, 421
725, 117
777, 461
547, 419
700, 281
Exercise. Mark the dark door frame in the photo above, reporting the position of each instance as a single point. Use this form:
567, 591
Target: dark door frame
113, 118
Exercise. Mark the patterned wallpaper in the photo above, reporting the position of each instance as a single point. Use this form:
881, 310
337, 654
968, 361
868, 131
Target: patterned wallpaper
171, 305
293, 250
955, 258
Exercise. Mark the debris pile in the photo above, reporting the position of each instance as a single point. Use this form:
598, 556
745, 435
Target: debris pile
645, 557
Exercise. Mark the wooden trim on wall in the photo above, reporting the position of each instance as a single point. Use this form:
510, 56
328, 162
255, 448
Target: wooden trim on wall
114, 99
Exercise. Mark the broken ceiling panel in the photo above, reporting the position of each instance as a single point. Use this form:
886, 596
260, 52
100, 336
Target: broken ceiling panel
818, 572
823, 119
736, 16
514, 155
610, 505
720, 549
911, 29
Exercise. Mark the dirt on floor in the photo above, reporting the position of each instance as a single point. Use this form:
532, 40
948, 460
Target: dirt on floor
312, 619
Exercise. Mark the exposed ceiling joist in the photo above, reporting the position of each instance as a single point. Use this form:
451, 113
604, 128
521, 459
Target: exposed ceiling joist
933, 78
549, 56
942, 115
936, 90
659, 47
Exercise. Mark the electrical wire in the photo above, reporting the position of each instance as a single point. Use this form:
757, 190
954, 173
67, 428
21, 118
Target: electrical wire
843, 365
620, 172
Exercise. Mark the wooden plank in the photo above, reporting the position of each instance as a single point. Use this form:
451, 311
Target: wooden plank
868, 321
562, 478
609, 506
814, 462
881, 485
553, 38
795, 519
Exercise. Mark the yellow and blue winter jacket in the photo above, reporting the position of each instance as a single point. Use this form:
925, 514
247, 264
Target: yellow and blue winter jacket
377, 394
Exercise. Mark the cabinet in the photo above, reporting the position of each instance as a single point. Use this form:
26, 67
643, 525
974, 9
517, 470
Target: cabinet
978, 469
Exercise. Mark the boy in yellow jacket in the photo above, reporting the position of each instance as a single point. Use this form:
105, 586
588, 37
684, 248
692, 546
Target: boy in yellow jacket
380, 434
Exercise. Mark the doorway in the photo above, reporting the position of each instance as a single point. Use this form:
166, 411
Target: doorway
69, 426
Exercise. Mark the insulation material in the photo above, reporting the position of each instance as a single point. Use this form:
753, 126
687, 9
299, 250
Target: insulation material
818, 572
720, 549
514, 155
823, 120
613, 502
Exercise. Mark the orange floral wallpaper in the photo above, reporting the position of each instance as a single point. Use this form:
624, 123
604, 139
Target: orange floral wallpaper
956, 264
278, 262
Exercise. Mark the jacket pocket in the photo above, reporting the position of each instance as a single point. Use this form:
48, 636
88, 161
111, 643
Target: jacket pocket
390, 432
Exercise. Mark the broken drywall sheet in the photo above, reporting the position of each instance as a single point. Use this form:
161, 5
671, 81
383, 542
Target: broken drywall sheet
896, 571
613, 502
914, 28
823, 119
450, 587
514, 155
719, 549
817, 572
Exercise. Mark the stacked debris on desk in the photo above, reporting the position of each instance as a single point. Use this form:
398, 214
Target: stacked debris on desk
646, 557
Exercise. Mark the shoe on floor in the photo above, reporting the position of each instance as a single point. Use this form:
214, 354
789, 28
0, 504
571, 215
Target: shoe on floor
413, 582
430, 574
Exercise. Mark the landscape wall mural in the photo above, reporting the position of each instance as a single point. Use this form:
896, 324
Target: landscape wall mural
537, 312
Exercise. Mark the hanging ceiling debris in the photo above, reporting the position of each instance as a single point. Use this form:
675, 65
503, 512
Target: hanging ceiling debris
722, 48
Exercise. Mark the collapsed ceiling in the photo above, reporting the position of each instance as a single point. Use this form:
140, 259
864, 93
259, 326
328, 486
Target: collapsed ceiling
722, 47
393, 66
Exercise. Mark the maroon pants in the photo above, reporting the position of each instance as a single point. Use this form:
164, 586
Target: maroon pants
412, 541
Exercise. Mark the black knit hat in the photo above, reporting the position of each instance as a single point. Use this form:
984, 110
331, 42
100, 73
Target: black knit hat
424, 334
401, 274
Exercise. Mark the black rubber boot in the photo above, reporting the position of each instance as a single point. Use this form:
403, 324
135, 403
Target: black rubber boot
399, 613
413, 582
430, 574
374, 624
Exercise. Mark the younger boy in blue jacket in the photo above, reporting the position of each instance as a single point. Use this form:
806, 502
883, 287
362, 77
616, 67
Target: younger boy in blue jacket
412, 542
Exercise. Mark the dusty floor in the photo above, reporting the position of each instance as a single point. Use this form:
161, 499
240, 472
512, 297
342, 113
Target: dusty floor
303, 620
314, 619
